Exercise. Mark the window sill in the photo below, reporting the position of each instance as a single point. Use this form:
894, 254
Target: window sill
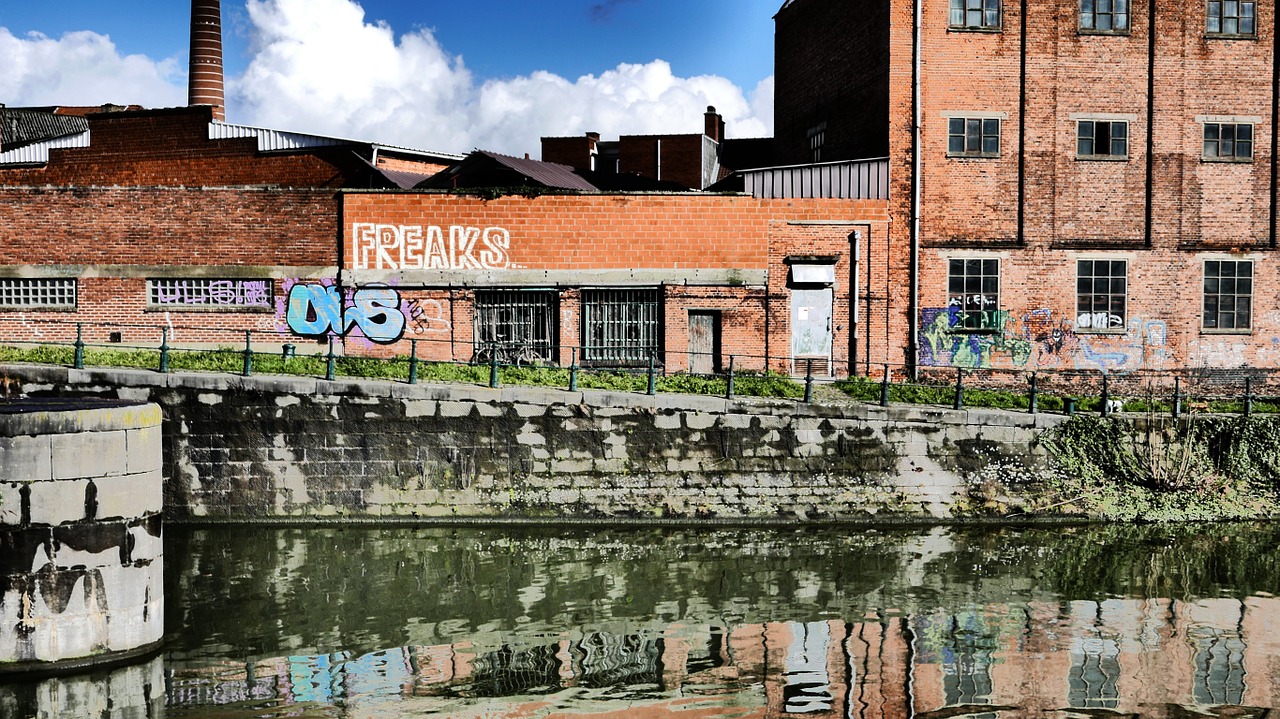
1228, 160
1105, 33
963, 331
1214, 331
198, 309
1102, 158
1091, 331
36, 308
987, 30
1225, 36
974, 156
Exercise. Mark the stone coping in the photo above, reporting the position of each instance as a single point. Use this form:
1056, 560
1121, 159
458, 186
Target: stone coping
43, 416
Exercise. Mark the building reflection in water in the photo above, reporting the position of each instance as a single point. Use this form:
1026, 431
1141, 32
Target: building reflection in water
1145, 657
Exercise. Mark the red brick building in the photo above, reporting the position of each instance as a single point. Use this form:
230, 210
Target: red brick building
1073, 185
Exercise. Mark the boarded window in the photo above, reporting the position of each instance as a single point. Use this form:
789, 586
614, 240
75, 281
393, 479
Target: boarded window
43, 294
620, 327
202, 292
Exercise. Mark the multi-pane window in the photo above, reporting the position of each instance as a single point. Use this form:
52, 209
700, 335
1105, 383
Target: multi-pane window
1232, 17
620, 326
1101, 295
817, 139
201, 292
973, 137
1228, 141
1228, 294
1102, 139
975, 14
1104, 15
516, 324
973, 293
38, 294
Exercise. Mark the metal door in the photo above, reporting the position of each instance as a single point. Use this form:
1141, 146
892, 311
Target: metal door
704, 341
811, 329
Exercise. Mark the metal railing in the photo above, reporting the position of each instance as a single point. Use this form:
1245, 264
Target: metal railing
247, 352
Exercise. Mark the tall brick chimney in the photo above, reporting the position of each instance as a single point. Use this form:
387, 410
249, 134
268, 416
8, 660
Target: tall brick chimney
713, 124
204, 81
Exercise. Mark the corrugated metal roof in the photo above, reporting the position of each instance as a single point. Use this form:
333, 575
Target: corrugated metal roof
22, 127
38, 153
281, 141
549, 174
858, 179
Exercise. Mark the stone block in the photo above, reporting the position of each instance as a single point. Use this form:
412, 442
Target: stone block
144, 450
128, 496
456, 409
89, 454
26, 458
55, 503
700, 420
667, 422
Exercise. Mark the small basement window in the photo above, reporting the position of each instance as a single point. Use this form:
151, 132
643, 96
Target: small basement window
38, 294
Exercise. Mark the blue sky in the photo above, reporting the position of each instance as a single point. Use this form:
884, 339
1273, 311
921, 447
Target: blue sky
491, 73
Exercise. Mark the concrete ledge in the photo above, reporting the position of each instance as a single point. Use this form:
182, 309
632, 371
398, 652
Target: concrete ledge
65, 416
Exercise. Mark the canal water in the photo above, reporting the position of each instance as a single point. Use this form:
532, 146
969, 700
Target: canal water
988, 622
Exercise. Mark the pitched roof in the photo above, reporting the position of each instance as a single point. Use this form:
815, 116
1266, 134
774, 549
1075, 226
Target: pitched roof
489, 169
25, 127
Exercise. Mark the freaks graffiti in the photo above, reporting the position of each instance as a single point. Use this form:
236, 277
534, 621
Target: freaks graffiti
318, 310
430, 247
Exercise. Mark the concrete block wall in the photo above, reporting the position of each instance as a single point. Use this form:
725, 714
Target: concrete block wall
246, 449
81, 548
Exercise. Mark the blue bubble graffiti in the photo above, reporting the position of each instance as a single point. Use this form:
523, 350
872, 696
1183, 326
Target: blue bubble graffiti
316, 310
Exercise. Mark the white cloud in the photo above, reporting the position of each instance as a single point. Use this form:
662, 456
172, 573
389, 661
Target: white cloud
319, 67
84, 68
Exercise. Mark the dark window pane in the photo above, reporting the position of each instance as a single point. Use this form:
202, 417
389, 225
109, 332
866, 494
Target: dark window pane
955, 267
955, 144
1084, 267
1119, 129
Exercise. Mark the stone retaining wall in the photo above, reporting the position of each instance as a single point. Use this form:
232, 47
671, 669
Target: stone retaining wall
81, 551
264, 448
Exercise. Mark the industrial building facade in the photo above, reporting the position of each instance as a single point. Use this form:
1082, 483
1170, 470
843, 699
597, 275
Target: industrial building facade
1074, 185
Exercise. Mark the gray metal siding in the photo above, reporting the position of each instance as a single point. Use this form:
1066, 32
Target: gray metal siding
859, 179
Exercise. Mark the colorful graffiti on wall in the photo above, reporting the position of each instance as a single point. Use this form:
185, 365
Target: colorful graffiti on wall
1039, 340
317, 310
417, 247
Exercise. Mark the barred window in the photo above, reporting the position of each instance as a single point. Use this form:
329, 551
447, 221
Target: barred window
973, 293
1228, 141
516, 324
1101, 295
43, 294
1232, 17
1228, 294
975, 15
200, 292
1104, 16
973, 137
620, 326
1102, 139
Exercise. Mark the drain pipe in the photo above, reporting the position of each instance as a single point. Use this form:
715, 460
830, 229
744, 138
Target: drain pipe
914, 269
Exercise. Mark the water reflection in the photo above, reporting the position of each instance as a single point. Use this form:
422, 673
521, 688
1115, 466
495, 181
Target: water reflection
988, 623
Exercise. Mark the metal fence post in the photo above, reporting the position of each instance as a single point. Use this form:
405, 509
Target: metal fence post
413, 361
573, 370
330, 364
248, 354
1106, 397
958, 401
1248, 396
493, 369
1032, 400
729, 391
79, 354
164, 350
1177, 396
653, 381
808, 381
884, 388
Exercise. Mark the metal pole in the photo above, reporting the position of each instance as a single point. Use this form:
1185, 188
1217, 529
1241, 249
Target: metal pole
1033, 399
1248, 396
653, 381
493, 368
248, 354
1106, 397
413, 361
164, 350
884, 388
1177, 396
573, 370
808, 382
730, 390
79, 358
331, 365
958, 401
